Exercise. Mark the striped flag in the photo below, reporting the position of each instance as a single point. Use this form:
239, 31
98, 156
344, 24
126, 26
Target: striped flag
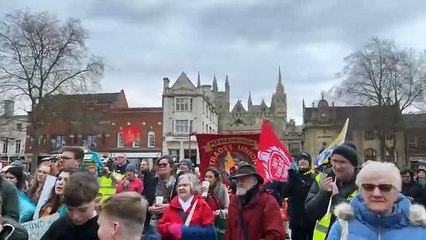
336, 142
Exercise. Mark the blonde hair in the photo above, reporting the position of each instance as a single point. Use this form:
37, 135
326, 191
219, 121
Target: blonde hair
374, 168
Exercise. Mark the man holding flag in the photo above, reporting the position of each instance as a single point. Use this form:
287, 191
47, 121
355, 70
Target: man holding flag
331, 188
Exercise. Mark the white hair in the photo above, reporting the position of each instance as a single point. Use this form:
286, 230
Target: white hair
193, 182
374, 168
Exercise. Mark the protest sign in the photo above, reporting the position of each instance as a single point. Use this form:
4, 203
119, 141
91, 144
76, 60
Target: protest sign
45, 193
36, 228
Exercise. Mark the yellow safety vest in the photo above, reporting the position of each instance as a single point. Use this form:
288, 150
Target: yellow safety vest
322, 226
107, 187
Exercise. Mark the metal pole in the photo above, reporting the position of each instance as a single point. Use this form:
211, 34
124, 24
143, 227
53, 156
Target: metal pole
189, 149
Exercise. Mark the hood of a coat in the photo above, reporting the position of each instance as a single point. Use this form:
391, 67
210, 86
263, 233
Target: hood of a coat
404, 213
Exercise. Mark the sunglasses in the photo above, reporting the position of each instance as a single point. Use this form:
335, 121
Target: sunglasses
161, 165
382, 187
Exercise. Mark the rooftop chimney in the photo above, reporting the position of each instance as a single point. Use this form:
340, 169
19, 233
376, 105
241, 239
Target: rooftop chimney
9, 108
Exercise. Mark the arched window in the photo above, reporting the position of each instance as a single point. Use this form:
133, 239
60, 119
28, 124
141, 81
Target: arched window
370, 154
151, 139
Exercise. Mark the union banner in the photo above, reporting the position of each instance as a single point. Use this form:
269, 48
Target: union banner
224, 151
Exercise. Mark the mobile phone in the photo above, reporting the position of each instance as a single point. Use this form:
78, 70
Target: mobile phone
329, 172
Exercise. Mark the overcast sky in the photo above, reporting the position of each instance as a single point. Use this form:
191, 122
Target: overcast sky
143, 41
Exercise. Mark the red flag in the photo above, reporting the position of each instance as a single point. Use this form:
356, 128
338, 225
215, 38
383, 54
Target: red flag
130, 133
273, 159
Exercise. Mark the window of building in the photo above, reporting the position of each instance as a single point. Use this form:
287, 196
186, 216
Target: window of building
202, 126
5, 146
183, 126
19, 127
369, 134
421, 141
412, 143
120, 140
58, 141
137, 142
18, 146
151, 139
89, 140
183, 104
370, 154
203, 107
390, 136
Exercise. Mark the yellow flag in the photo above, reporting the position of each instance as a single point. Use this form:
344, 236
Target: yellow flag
230, 162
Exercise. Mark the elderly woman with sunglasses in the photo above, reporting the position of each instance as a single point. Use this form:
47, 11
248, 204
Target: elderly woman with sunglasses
379, 211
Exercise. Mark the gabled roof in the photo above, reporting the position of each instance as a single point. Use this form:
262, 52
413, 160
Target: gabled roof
183, 82
238, 108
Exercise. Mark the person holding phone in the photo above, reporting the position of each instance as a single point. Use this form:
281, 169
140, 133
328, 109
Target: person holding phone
331, 188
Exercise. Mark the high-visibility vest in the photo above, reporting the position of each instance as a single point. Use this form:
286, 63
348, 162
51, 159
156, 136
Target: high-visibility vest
107, 187
322, 226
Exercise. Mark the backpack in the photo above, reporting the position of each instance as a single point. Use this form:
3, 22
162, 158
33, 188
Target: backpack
12, 230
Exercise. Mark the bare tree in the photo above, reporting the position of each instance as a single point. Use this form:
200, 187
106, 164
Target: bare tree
383, 74
41, 56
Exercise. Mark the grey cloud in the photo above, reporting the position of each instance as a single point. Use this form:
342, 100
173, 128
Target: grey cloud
144, 41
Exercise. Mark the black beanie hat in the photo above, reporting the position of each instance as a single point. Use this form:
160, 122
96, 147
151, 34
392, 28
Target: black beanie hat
347, 152
304, 155
349, 144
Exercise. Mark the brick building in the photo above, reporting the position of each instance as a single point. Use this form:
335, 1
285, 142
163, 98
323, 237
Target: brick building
100, 117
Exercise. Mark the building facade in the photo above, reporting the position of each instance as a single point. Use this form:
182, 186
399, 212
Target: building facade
109, 113
293, 137
378, 132
250, 119
415, 138
188, 109
12, 133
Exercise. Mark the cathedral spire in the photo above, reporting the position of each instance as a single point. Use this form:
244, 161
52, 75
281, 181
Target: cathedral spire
214, 83
250, 103
227, 82
198, 80
280, 85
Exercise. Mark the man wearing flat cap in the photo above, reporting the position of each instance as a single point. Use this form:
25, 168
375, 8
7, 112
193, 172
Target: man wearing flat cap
337, 185
253, 212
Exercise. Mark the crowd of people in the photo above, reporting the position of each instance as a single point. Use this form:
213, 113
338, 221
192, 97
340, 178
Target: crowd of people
341, 199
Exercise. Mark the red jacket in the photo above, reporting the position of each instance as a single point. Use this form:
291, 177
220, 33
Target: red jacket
203, 216
136, 185
261, 215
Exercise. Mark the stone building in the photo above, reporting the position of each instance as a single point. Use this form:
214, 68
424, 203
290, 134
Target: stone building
378, 132
12, 133
188, 109
415, 137
250, 119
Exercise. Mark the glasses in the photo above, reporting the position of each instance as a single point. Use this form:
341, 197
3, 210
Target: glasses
382, 187
162, 165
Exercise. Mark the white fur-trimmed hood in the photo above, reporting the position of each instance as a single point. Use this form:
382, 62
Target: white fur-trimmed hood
417, 213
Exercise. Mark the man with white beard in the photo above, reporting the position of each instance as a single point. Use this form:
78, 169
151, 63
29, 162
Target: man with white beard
253, 212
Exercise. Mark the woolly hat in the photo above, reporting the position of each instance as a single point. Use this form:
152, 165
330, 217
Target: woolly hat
187, 162
304, 155
131, 167
347, 152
